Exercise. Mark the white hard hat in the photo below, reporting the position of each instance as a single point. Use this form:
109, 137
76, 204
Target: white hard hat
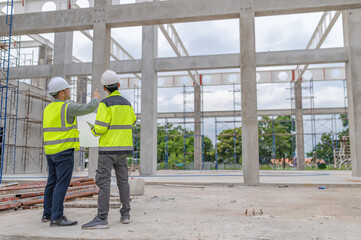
57, 84
109, 78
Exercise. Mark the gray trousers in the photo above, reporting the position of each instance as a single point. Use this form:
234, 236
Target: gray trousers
102, 178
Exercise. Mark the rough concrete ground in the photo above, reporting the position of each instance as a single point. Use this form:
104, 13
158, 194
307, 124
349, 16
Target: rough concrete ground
212, 212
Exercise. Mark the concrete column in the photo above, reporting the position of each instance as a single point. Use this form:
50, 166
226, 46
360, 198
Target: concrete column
101, 62
197, 128
250, 153
81, 89
148, 130
352, 36
101, 46
44, 56
63, 52
63, 47
300, 143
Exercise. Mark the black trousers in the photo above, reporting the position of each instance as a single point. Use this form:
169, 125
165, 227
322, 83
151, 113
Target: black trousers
60, 171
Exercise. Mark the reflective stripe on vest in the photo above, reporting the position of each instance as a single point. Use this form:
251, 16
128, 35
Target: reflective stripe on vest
127, 148
58, 134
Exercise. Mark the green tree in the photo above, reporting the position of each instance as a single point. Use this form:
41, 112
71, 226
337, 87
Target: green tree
225, 145
275, 139
344, 118
171, 139
323, 149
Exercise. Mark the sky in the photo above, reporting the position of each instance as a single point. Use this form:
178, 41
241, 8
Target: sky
275, 33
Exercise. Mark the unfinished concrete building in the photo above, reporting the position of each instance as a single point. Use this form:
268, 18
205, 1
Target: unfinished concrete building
23, 139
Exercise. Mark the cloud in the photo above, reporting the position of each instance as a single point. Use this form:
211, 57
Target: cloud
82, 47
210, 37
329, 94
130, 38
335, 37
286, 32
275, 97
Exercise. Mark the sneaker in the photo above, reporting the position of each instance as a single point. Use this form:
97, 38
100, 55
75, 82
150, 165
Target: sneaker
46, 219
62, 222
96, 223
125, 219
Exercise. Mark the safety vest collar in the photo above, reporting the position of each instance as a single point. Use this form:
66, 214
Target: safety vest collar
115, 93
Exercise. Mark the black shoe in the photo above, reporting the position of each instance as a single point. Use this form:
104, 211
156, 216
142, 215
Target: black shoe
45, 219
63, 221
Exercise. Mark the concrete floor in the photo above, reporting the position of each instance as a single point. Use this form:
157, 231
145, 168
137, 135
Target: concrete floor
192, 205
225, 178
210, 212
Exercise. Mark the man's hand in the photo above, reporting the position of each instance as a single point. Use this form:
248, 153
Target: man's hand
96, 94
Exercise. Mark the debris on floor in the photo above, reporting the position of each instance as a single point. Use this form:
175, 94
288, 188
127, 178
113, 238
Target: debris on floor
25, 195
253, 212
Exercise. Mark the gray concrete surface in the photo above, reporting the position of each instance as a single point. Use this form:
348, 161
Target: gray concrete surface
221, 61
148, 14
352, 34
250, 152
197, 127
211, 212
149, 101
300, 138
227, 177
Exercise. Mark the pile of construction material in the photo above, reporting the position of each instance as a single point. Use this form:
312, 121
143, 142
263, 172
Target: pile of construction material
26, 195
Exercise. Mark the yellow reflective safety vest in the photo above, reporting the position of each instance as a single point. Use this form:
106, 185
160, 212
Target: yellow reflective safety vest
114, 121
59, 135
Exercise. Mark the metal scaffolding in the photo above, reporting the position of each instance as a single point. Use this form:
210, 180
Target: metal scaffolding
317, 128
32, 151
5, 46
220, 126
188, 105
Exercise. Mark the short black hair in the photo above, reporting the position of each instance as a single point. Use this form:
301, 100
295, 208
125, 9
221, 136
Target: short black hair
111, 88
56, 95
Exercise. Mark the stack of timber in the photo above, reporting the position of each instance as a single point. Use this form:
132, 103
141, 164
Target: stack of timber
16, 196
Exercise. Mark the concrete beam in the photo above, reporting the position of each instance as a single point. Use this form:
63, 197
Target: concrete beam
280, 7
78, 69
263, 59
154, 13
121, 67
47, 22
30, 44
260, 113
30, 72
280, 58
297, 57
40, 39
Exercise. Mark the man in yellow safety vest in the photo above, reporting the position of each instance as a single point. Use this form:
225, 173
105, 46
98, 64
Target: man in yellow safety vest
61, 138
114, 121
